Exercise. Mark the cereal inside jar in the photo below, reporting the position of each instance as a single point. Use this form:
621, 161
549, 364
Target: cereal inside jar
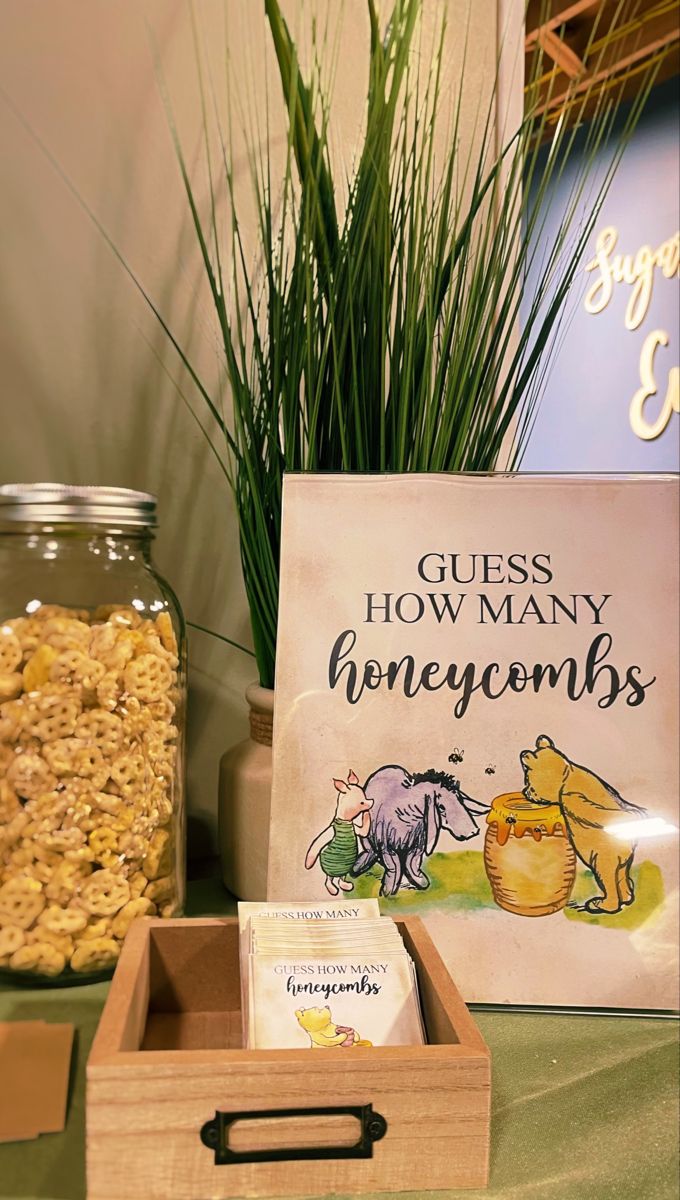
92, 700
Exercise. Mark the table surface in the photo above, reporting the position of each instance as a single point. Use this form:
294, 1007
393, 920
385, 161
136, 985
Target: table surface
582, 1106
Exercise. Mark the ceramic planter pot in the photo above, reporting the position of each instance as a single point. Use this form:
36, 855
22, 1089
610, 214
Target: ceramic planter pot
245, 789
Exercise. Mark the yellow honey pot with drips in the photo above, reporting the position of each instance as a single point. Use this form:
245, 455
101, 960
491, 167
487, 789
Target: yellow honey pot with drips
529, 860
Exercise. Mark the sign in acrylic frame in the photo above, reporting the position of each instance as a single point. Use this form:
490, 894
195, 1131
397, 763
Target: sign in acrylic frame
477, 721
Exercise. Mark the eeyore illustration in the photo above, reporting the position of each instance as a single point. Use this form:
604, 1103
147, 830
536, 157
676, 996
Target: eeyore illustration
407, 815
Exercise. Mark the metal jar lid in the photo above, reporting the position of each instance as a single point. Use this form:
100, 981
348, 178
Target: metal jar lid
61, 504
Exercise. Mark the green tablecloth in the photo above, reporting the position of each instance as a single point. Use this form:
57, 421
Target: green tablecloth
583, 1107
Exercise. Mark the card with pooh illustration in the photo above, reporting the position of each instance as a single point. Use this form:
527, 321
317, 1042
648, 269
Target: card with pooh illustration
312, 961
339, 1002
293, 916
477, 721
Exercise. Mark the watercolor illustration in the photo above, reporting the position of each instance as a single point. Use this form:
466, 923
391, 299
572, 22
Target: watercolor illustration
588, 805
337, 846
324, 1033
565, 819
408, 814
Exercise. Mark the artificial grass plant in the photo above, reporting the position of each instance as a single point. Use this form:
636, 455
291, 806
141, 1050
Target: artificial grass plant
376, 328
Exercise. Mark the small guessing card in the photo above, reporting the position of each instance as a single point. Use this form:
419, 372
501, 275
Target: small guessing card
372, 937
339, 1002
290, 915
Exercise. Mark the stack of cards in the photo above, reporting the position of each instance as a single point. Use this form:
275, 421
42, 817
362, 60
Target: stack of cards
334, 975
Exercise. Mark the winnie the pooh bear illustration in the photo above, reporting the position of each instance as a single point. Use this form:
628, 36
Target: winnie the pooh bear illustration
323, 1033
589, 806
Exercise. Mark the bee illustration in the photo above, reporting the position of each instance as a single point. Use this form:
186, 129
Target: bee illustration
490, 770
456, 756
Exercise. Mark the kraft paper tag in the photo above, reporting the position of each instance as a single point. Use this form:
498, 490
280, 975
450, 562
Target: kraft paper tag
35, 1059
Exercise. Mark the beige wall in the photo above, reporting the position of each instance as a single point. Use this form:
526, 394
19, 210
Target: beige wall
83, 397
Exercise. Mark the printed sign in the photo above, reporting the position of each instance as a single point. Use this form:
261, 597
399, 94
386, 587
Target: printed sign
476, 721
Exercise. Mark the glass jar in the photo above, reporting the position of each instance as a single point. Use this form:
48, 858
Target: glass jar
530, 861
92, 714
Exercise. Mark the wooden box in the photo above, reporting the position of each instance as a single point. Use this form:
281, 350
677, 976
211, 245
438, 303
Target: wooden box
167, 1062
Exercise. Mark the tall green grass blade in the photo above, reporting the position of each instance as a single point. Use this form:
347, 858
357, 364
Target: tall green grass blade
377, 325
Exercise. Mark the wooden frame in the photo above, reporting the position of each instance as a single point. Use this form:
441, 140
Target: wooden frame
645, 34
167, 1056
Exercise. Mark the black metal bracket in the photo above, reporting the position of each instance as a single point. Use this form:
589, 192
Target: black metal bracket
215, 1134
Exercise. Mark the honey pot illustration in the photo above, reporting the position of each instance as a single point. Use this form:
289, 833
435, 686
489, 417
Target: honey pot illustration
529, 860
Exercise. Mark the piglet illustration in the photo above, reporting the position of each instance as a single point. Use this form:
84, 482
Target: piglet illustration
337, 846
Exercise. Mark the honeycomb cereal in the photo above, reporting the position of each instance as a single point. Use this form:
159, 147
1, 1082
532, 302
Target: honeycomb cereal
20, 861
27, 744
113, 646
74, 666
37, 669
9, 801
109, 690
67, 882
72, 756
163, 709
65, 633
135, 844
88, 733
30, 776
14, 829
147, 677
118, 822
46, 855
160, 890
10, 650
63, 920
12, 714
64, 839
97, 927
27, 631
21, 902
80, 790
38, 870
11, 685
153, 645
165, 632
11, 939
128, 772
158, 857
98, 955
41, 958
82, 854
138, 881
101, 728
130, 911
109, 803
105, 893
61, 941
54, 717
103, 842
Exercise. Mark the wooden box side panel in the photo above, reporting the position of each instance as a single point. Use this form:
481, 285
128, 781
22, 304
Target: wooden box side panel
194, 967
122, 1023
178, 966
446, 1016
437, 1113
